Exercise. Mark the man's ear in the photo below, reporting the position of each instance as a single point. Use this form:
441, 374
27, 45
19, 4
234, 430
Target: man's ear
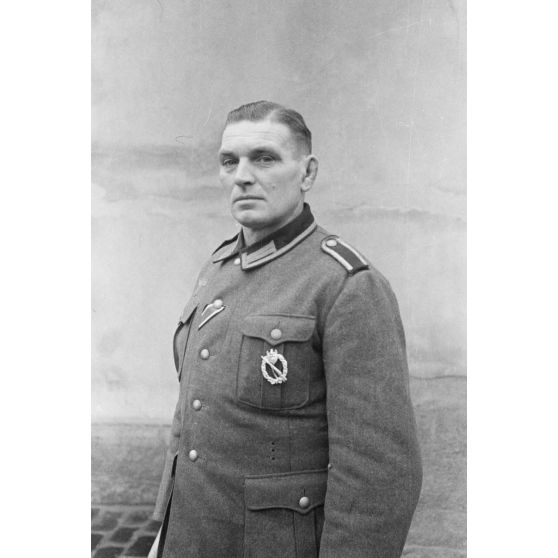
310, 172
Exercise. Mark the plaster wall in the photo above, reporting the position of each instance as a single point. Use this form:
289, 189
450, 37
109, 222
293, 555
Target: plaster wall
382, 87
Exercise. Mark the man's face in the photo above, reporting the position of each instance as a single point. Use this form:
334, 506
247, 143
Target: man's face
265, 174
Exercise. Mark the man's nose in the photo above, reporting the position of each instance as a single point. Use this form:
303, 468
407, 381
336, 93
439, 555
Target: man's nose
243, 175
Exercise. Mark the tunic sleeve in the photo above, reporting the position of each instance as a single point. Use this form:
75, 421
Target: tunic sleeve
167, 481
375, 470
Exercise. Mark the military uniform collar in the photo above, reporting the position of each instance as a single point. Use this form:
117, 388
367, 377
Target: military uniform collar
270, 247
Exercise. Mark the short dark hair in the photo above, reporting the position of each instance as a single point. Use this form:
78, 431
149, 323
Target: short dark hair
261, 110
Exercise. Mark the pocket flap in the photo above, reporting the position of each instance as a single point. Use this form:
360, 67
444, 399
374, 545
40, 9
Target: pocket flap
300, 491
279, 328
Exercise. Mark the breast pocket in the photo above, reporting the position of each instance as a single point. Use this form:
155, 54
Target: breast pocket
276, 361
284, 514
180, 340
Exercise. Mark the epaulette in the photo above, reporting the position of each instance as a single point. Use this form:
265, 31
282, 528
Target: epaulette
346, 255
229, 241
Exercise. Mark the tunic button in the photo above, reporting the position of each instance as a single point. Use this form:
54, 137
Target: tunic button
236, 261
217, 303
196, 404
193, 455
331, 243
304, 502
204, 353
276, 334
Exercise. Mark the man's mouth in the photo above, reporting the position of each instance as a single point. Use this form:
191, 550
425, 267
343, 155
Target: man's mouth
247, 198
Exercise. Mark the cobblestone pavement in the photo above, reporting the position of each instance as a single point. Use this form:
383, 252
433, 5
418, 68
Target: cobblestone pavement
122, 531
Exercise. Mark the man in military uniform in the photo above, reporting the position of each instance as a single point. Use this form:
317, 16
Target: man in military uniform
294, 434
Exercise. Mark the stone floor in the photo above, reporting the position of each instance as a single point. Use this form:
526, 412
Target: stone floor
122, 531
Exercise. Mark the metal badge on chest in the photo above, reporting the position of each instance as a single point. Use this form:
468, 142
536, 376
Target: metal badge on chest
274, 367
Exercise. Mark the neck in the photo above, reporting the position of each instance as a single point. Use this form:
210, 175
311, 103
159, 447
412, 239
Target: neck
253, 235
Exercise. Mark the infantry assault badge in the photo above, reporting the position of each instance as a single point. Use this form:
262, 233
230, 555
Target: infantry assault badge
272, 373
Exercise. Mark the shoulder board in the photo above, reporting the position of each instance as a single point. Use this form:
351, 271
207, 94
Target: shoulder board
346, 255
229, 241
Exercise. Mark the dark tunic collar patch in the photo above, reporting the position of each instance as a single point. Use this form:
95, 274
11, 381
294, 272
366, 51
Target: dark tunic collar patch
270, 247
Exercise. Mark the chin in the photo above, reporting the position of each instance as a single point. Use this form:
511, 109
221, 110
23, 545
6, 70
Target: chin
250, 218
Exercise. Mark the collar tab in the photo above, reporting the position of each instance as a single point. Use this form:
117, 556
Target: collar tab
249, 262
270, 247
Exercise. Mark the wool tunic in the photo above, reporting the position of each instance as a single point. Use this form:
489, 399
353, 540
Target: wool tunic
294, 434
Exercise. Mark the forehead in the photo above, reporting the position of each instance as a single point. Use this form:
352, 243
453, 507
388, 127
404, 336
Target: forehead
246, 135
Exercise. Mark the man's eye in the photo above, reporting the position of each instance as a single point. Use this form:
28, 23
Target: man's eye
265, 159
228, 162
